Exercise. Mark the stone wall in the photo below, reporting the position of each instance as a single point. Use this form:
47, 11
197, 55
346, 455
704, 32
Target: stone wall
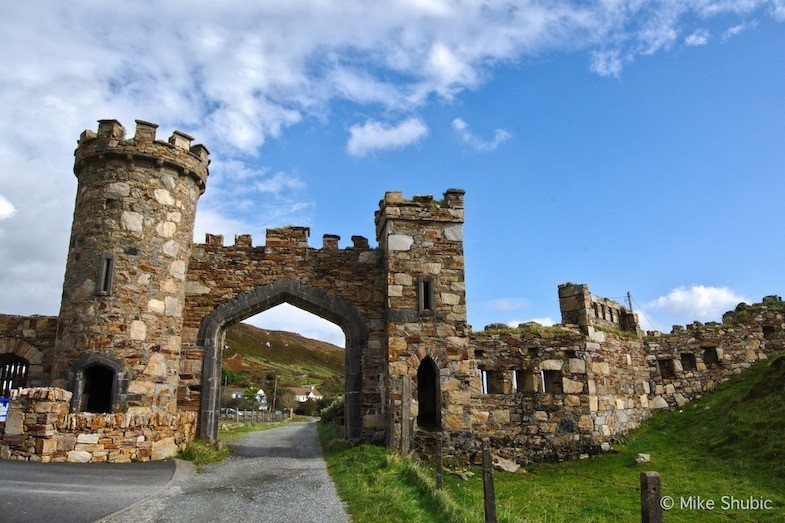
562, 394
694, 359
31, 338
40, 428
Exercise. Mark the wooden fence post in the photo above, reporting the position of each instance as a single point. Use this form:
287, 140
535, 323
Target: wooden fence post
487, 482
651, 495
439, 462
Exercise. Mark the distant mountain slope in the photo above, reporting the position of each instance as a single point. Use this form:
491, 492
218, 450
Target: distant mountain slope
294, 359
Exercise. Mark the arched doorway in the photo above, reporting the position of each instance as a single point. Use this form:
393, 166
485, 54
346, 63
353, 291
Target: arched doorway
98, 381
247, 304
429, 416
13, 373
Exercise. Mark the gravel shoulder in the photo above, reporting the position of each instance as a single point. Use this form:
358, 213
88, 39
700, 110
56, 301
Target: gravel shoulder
274, 475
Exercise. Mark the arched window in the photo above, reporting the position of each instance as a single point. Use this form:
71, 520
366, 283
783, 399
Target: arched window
13, 373
97, 392
429, 416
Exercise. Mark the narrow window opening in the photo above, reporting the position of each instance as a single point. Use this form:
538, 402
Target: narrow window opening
13, 374
97, 392
768, 332
524, 381
479, 353
666, 368
710, 356
106, 277
495, 382
533, 352
688, 361
571, 354
426, 296
551, 382
428, 397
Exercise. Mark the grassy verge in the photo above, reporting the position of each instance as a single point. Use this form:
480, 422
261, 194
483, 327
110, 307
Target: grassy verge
381, 486
728, 443
202, 453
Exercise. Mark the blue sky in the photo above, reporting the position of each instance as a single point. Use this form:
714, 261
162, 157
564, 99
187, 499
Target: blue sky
630, 145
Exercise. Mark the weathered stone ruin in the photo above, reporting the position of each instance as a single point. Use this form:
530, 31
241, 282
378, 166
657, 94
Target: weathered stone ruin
130, 369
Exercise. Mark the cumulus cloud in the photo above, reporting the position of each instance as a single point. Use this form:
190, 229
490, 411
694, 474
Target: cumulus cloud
287, 317
462, 128
699, 37
7, 209
237, 78
374, 136
545, 321
697, 302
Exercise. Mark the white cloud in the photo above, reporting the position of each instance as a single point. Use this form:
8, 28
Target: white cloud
7, 209
462, 128
506, 304
545, 321
289, 318
738, 29
374, 136
238, 77
697, 302
699, 37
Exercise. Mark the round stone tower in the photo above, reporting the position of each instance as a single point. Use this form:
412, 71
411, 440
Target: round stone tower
118, 343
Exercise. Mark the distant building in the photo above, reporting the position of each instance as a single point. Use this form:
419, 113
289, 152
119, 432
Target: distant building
309, 392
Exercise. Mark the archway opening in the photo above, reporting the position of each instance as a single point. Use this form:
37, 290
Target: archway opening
428, 395
13, 373
282, 359
97, 391
212, 333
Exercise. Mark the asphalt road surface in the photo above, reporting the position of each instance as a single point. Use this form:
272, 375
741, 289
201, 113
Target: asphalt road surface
76, 492
275, 475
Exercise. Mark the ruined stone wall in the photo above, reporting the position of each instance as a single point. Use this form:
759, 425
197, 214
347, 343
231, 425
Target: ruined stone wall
31, 338
580, 307
128, 255
695, 359
598, 391
217, 274
40, 428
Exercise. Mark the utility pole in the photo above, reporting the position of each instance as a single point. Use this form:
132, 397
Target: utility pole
629, 300
275, 387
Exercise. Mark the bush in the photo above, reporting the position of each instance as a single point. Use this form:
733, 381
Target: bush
334, 411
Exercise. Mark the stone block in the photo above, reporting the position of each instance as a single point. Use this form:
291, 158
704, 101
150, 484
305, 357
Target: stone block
399, 242
90, 439
14, 422
551, 365
571, 400
576, 366
165, 448
572, 386
79, 456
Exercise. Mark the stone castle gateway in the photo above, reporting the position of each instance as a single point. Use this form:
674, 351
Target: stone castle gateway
130, 369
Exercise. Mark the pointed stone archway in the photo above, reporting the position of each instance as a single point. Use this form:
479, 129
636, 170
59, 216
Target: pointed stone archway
311, 299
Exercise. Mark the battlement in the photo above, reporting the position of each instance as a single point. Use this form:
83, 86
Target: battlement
580, 307
110, 142
286, 239
421, 208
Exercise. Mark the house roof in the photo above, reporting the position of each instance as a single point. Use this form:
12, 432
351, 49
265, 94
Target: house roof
304, 391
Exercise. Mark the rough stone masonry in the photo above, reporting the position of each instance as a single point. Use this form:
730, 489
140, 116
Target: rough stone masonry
130, 368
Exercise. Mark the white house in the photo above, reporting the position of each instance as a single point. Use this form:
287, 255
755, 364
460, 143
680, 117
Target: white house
309, 392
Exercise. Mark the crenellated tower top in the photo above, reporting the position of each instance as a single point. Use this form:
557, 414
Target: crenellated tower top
177, 152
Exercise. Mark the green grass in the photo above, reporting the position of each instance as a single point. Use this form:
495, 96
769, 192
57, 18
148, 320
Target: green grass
728, 443
382, 486
245, 428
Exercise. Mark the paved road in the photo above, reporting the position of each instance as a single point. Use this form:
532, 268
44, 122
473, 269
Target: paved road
275, 475
75, 492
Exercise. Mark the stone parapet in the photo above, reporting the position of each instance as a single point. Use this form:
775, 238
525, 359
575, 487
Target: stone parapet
110, 141
39, 428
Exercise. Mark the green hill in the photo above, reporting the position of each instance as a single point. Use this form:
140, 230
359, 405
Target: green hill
257, 355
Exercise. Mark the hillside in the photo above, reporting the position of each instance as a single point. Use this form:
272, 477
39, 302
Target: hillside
294, 359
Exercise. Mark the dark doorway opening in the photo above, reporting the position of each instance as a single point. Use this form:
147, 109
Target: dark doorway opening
97, 392
13, 374
428, 397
